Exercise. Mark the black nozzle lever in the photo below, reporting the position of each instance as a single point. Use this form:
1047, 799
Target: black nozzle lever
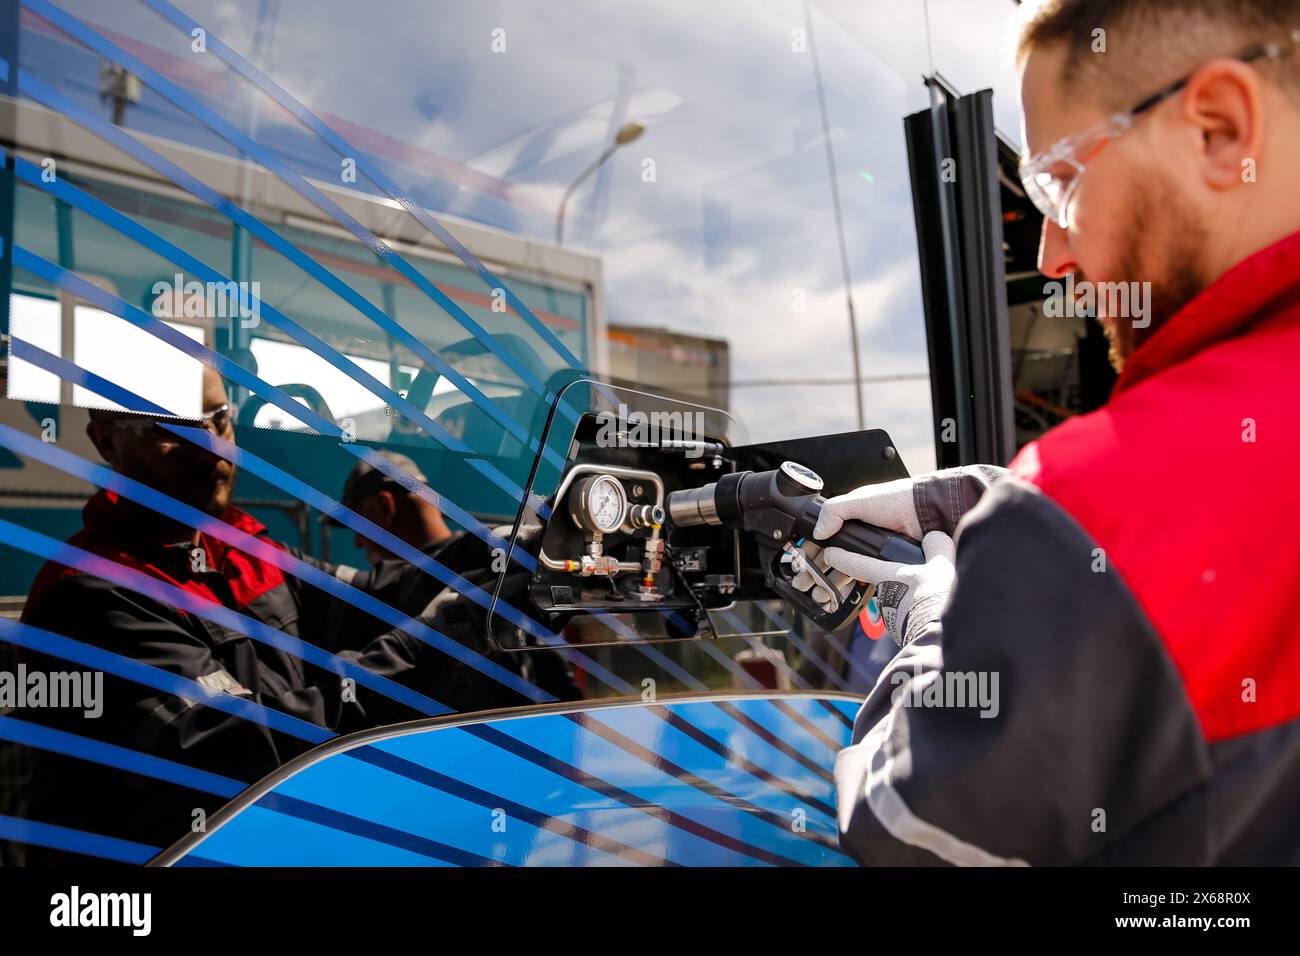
780, 507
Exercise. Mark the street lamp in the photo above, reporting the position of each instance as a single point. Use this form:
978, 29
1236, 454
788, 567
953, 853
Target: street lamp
118, 88
626, 134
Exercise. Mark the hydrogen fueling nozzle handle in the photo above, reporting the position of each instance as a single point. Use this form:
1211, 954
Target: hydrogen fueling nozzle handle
863, 538
781, 507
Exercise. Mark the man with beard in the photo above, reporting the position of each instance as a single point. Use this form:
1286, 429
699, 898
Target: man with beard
97, 794
1129, 591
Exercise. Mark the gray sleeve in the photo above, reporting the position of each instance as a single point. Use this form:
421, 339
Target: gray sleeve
1041, 721
942, 498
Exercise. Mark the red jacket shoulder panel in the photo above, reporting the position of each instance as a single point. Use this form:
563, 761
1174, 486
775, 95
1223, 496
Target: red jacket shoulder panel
1187, 481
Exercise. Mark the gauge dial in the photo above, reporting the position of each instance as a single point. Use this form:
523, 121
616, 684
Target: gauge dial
599, 504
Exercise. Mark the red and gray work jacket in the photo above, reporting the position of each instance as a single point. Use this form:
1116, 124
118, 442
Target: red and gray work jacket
1116, 678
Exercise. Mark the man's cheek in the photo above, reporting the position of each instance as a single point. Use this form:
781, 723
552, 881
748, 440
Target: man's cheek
147, 464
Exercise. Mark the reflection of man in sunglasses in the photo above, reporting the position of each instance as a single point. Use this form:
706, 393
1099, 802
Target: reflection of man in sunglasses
1132, 584
158, 630
144, 448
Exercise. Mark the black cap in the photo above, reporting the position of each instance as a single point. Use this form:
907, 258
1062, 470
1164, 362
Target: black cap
365, 479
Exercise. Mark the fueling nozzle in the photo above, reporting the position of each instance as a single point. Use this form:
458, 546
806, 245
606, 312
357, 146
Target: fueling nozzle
781, 507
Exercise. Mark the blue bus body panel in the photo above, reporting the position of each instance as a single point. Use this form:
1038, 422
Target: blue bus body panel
713, 780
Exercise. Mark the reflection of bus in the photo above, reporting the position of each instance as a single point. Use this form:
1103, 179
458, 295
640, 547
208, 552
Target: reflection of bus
560, 287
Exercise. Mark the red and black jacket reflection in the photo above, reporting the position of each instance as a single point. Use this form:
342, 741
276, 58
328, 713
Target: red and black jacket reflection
110, 801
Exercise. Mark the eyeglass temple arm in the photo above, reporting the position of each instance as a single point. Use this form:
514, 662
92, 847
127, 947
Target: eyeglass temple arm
1270, 49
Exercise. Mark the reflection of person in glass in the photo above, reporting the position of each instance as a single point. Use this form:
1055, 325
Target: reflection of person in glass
412, 517
157, 633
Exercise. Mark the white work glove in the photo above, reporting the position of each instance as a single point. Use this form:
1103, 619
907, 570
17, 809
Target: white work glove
890, 505
803, 580
911, 597
935, 501
942, 497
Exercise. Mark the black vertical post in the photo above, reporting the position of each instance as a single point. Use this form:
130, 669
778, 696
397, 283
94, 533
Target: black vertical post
952, 154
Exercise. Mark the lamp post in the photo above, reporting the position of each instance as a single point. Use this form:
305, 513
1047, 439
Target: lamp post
626, 134
118, 88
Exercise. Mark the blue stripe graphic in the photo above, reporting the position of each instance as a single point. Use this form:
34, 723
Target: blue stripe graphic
105, 477
327, 505
655, 654
88, 204
61, 553
42, 93
56, 645
101, 386
333, 819
110, 755
232, 135
74, 841
345, 149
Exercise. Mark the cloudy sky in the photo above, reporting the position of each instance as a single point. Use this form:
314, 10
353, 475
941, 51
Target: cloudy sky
734, 228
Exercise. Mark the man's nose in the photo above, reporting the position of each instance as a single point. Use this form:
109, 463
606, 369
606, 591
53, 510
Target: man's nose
1054, 256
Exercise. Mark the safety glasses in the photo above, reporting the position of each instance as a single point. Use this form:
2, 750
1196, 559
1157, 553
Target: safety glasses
216, 421
1051, 177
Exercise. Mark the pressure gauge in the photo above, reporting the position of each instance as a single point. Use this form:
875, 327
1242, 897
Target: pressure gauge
598, 503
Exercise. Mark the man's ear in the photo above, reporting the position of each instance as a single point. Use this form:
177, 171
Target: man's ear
1224, 100
101, 435
387, 504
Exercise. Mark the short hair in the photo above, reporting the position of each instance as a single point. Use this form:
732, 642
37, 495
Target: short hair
1149, 43
105, 416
